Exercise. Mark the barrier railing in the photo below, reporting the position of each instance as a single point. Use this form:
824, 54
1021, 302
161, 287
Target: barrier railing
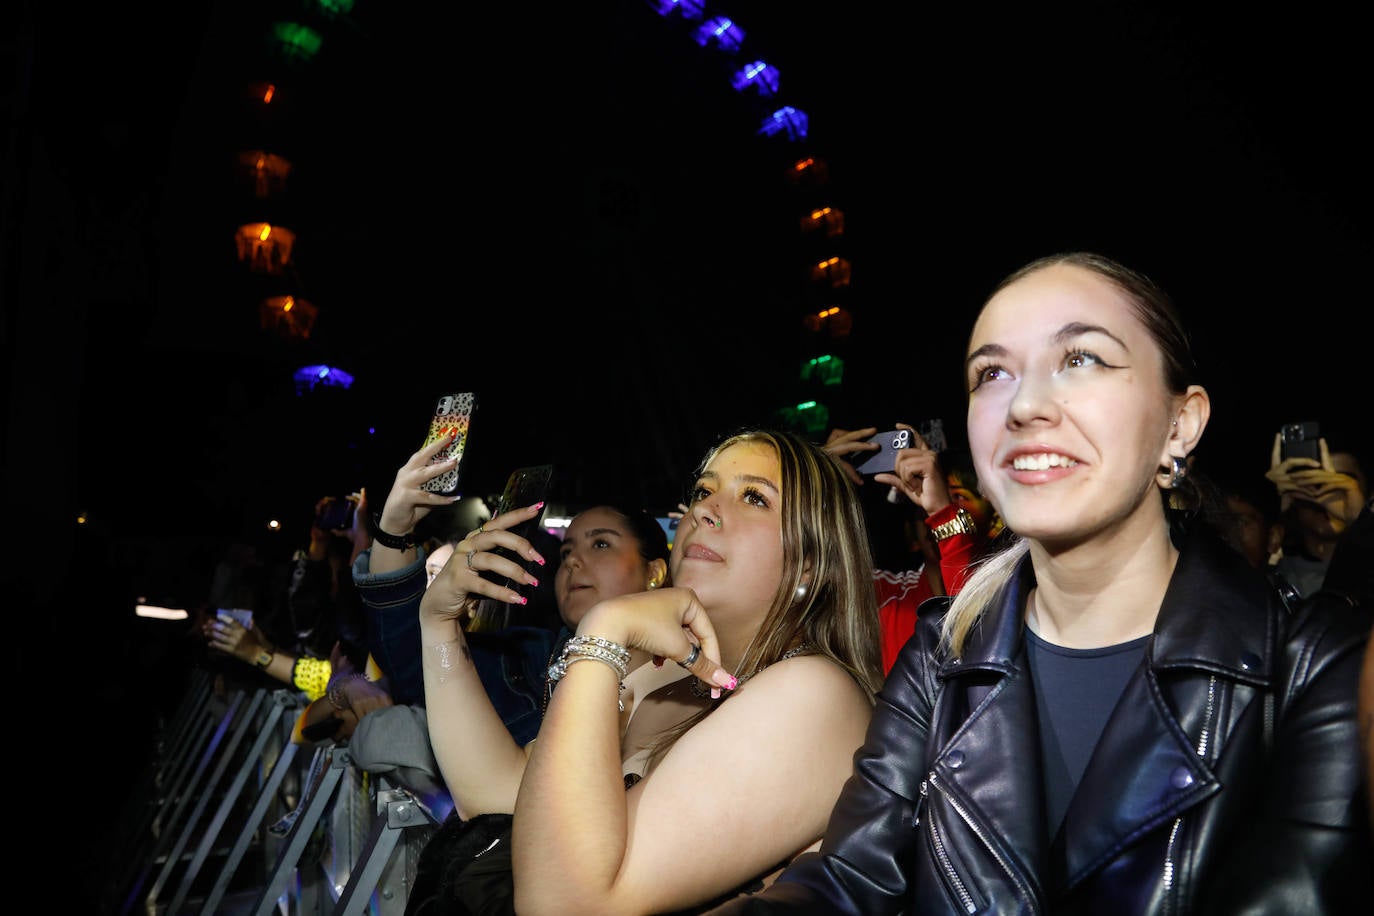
233, 818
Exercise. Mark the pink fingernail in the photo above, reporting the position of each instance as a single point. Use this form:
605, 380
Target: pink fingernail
534, 581
519, 599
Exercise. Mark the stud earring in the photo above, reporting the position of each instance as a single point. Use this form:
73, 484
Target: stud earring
653, 584
801, 591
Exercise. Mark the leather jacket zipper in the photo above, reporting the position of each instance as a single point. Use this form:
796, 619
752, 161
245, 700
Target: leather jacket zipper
955, 881
1203, 739
961, 888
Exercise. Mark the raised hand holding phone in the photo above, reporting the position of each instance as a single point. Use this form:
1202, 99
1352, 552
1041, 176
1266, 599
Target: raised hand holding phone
450, 423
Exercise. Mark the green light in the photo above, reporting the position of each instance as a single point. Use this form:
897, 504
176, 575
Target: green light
332, 9
297, 43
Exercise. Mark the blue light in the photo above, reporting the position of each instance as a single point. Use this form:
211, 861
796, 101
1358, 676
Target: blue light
690, 9
758, 75
723, 32
308, 377
787, 119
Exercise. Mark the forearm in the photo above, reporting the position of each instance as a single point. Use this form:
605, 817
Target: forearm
479, 760
573, 778
386, 559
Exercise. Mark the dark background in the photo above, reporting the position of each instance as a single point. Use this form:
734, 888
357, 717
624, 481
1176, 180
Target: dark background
570, 212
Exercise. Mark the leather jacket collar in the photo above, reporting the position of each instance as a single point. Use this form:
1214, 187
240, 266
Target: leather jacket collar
1223, 641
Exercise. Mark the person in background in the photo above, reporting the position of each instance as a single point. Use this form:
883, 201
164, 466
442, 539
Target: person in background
1117, 713
346, 683
956, 528
1319, 498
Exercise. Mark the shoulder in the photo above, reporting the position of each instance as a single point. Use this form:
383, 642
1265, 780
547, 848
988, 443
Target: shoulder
1326, 626
811, 684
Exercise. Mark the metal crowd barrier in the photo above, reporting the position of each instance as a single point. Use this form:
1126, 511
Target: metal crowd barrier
233, 819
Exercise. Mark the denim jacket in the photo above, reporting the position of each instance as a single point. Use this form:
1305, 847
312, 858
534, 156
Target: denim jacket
512, 663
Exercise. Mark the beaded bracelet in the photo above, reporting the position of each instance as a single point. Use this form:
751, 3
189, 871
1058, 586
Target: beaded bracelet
311, 676
335, 693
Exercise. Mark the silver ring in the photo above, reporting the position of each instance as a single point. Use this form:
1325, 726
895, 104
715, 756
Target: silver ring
481, 528
692, 657
470, 566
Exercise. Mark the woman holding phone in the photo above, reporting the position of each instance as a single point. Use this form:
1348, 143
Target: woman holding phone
772, 614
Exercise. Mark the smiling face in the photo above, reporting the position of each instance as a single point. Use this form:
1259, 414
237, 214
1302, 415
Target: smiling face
600, 558
1069, 416
729, 545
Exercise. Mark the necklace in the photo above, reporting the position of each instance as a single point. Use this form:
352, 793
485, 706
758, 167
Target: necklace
702, 691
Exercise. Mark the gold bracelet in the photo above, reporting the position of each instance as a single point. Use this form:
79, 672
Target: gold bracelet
962, 523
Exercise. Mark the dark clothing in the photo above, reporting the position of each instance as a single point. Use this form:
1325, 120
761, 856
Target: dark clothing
512, 663
1351, 570
1075, 693
1226, 780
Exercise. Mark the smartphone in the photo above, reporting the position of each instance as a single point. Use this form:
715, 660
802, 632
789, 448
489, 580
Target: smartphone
524, 487
884, 460
1300, 440
452, 413
242, 615
337, 513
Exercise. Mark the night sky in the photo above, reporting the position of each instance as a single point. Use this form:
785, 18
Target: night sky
574, 215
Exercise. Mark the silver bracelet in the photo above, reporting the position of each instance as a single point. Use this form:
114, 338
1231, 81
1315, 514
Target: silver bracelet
581, 644
612, 654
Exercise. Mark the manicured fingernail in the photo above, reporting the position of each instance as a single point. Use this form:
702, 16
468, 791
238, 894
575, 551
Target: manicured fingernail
533, 580
725, 679
519, 599
534, 555
539, 505
658, 661
715, 693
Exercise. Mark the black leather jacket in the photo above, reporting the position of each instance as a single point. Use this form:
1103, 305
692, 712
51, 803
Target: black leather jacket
1226, 781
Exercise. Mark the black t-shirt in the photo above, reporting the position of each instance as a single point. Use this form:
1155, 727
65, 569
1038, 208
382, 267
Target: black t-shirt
1075, 693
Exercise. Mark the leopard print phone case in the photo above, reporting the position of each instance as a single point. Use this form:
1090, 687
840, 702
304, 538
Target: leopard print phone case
451, 412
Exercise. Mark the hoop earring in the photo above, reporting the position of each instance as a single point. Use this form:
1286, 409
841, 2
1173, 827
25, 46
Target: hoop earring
1178, 473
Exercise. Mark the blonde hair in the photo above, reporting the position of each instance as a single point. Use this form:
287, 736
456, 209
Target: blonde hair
825, 544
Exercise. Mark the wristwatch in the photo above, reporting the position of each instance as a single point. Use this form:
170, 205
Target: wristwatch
962, 523
264, 658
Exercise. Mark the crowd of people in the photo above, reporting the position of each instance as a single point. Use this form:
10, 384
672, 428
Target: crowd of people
1074, 670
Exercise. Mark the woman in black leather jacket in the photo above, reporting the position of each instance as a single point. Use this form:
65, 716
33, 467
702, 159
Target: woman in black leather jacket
1116, 714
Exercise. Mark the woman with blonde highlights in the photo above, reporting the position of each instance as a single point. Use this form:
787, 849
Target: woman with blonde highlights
1118, 714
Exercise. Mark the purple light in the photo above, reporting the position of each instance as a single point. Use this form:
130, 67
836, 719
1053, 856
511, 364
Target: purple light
758, 75
308, 377
787, 119
723, 32
690, 9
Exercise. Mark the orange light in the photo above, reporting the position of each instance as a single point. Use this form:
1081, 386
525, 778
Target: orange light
265, 248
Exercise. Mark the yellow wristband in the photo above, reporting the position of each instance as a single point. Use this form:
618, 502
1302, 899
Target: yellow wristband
311, 676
